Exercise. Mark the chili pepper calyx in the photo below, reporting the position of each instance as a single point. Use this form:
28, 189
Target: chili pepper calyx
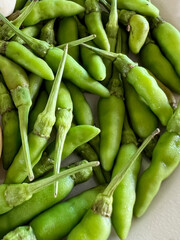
3, 46
62, 115
173, 124
21, 96
103, 205
155, 22
92, 6
124, 64
124, 16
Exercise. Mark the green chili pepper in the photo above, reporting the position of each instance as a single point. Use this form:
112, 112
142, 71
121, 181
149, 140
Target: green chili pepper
38, 138
68, 31
91, 61
6, 33
94, 24
41, 201
165, 160
73, 71
20, 233
20, 4
10, 123
18, 84
125, 194
48, 33
13, 195
168, 38
38, 108
98, 217
153, 59
35, 83
76, 136
144, 84
44, 10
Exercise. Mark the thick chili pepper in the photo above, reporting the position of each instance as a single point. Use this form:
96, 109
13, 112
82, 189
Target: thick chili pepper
44, 10
18, 84
168, 38
48, 33
13, 195
144, 84
153, 59
41, 201
165, 160
38, 138
125, 194
10, 123
73, 71
94, 23
68, 31
98, 217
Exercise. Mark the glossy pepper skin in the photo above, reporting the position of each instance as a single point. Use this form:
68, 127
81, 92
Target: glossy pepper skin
40, 201
164, 161
35, 83
51, 9
168, 39
10, 123
58, 221
153, 59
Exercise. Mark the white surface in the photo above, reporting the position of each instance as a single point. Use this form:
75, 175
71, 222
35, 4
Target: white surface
162, 220
7, 7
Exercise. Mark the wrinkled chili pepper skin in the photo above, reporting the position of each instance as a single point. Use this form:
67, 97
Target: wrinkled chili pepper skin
139, 28
51, 9
58, 221
48, 32
168, 38
164, 161
93, 226
75, 73
20, 233
153, 59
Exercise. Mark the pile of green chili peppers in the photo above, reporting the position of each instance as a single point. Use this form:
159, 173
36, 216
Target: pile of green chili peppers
53, 55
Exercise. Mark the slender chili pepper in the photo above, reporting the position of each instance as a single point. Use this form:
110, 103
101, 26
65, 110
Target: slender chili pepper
47, 32
91, 61
64, 216
38, 138
6, 33
76, 136
13, 195
125, 194
44, 10
41, 201
111, 117
38, 108
68, 31
94, 24
20, 4
165, 160
153, 59
35, 83
18, 84
99, 215
20, 233
144, 84
168, 39
10, 123
73, 71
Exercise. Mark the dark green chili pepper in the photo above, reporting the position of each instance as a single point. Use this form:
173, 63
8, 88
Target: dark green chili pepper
73, 71
165, 160
35, 83
48, 33
18, 84
125, 194
168, 38
44, 10
41, 201
68, 31
38, 138
99, 215
10, 123
94, 24
20, 233
38, 108
6, 33
20, 4
153, 59
144, 84
13, 195
91, 61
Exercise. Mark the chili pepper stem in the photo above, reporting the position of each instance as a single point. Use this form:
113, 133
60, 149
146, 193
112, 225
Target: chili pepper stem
103, 203
78, 42
106, 4
39, 47
23, 112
